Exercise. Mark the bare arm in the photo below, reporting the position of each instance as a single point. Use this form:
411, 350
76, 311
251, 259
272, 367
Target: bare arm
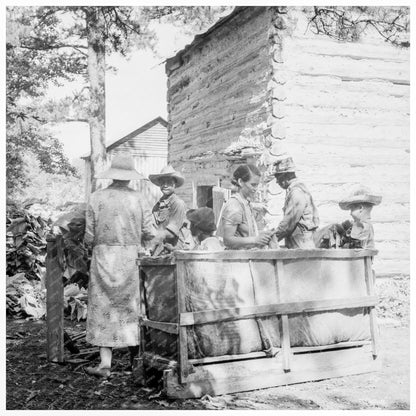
234, 242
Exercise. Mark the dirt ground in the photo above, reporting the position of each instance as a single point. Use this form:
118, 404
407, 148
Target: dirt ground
33, 383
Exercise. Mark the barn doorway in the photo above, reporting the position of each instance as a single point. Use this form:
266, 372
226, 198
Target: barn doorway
204, 196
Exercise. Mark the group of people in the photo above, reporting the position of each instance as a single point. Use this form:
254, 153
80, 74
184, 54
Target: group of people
119, 225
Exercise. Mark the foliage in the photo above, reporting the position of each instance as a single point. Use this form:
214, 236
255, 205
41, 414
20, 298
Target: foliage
347, 23
72, 254
26, 244
75, 301
29, 137
54, 190
49, 44
24, 297
26, 255
29, 72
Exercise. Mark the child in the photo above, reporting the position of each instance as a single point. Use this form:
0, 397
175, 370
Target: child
360, 202
202, 227
358, 233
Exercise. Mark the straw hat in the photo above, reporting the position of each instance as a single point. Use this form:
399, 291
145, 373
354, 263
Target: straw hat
122, 168
167, 172
202, 218
284, 166
359, 194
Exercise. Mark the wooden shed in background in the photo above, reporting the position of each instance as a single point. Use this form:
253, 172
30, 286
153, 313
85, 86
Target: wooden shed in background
259, 84
149, 146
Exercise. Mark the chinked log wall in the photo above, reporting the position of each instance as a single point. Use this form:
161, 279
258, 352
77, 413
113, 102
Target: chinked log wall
216, 94
340, 109
347, 121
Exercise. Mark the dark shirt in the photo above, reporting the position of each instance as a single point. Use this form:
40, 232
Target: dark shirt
170, 214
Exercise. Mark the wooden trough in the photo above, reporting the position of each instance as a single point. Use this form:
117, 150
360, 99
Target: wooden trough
223, 322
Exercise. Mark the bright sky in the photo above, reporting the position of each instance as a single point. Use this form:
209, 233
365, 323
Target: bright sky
135, 94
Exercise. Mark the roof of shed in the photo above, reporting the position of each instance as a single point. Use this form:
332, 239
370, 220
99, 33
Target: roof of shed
134, 133
199, 38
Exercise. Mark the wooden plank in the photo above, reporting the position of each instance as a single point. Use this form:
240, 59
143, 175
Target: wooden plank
157, 261
370, 290
221, 358
169, 327
261, 354
183, 338
347, 344
273, 254
283, 321
54, 303
157, 361
142, 310
223, 378
287, 308
263, 332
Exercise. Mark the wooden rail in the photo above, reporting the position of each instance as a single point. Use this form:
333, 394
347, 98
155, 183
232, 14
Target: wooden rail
54, 302
281, 254
289, 308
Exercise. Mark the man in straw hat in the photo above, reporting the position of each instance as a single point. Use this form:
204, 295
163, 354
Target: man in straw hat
117, 225
170, 211
360, 202
300, 214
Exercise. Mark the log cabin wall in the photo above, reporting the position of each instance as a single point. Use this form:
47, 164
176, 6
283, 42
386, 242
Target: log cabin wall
216, 96
340, 109
347, 120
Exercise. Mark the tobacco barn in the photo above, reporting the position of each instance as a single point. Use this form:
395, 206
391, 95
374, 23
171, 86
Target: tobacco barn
149, 147
259, 84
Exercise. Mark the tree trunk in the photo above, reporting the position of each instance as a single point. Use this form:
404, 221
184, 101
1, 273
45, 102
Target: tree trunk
96, 74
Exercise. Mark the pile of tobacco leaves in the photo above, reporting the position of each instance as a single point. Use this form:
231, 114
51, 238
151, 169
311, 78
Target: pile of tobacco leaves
28, 234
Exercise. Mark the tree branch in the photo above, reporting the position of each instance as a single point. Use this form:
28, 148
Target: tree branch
123, 23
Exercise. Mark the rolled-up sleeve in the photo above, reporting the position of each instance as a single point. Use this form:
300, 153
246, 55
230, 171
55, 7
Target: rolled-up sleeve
294, 208
89, 226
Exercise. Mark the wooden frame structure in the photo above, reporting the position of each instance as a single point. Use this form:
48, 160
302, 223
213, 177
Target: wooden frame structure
186, 377
54, 302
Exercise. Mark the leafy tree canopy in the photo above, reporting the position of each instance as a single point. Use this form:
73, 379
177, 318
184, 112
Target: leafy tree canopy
348, 23
48, 45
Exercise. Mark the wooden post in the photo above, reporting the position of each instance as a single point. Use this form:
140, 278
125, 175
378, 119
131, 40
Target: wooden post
370, 291
54, 302
137, 365
183, 368
284, 322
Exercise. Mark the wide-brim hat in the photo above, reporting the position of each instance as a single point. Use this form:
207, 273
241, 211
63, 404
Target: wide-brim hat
167, 172
122, 168
358, 195
202, 218
284, 166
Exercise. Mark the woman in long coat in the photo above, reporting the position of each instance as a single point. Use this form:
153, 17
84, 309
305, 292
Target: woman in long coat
117, 225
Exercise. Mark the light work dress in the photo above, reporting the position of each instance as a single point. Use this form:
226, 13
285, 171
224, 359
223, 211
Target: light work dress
117, 223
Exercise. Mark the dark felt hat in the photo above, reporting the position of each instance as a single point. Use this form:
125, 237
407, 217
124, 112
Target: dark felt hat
202, 218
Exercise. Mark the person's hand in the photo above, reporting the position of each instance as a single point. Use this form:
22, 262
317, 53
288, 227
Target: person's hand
157, 239
263, 238
259, 207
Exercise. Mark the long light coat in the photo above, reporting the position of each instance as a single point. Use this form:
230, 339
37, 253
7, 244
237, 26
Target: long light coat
117, 224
